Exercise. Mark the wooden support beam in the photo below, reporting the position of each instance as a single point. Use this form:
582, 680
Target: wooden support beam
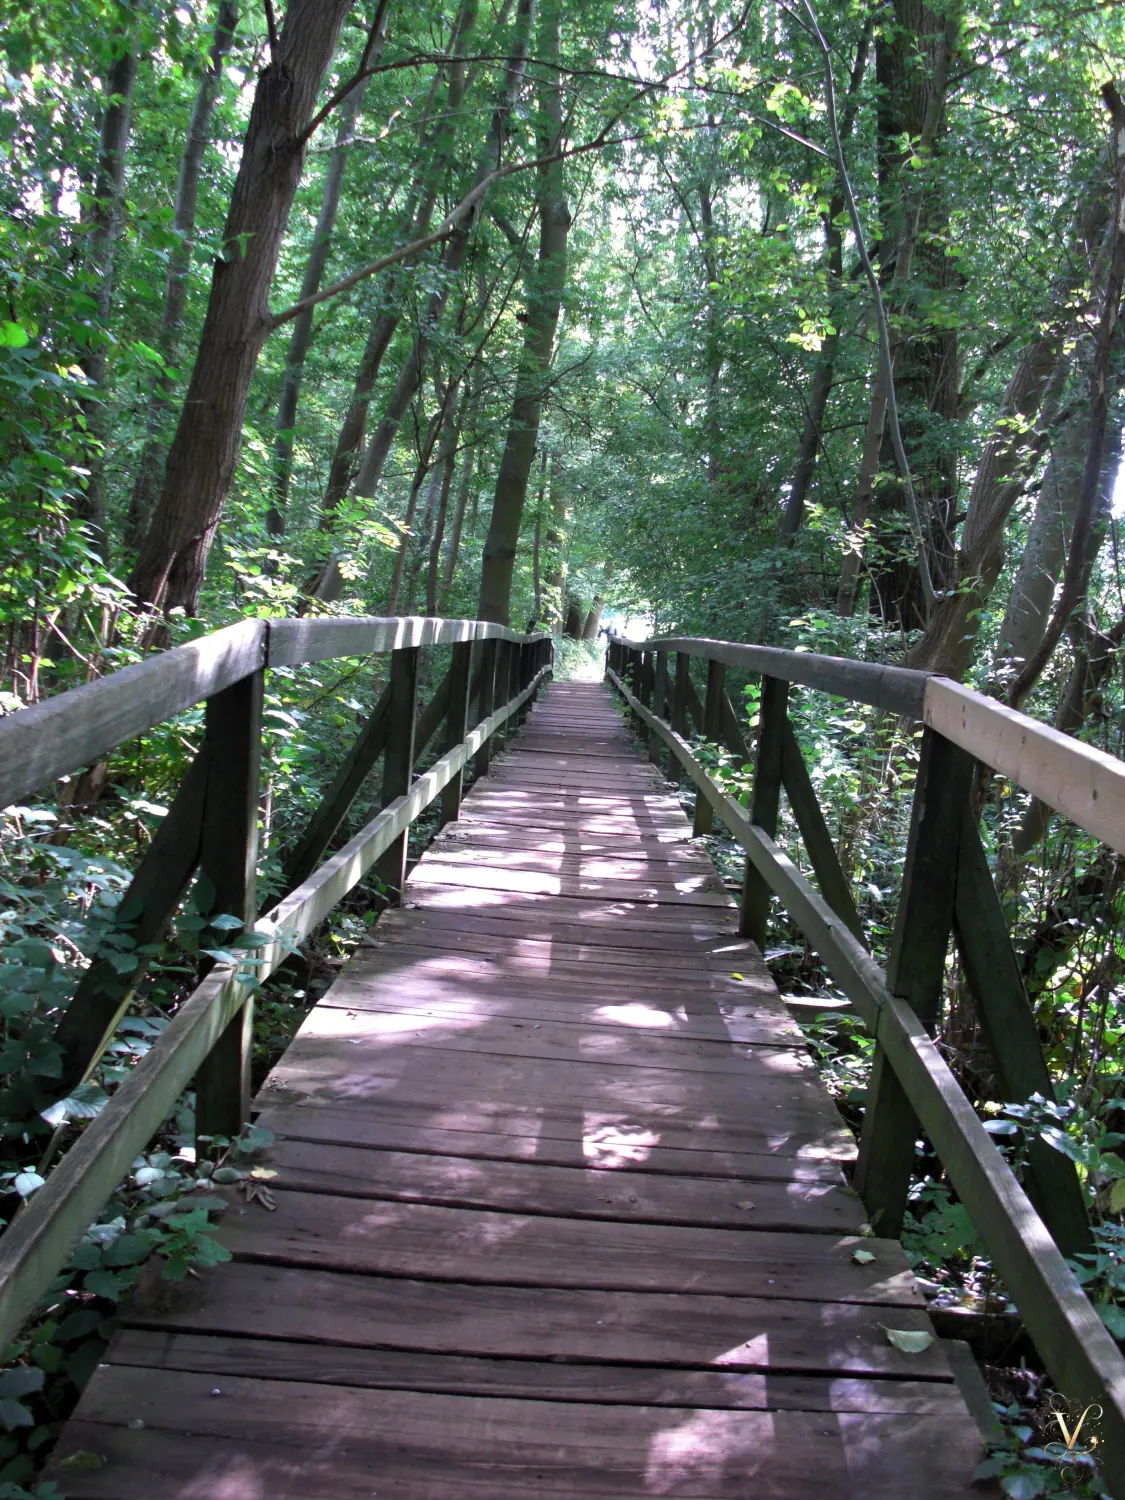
915, 971
486, 698
680, 693
354, 770
732, 735
398, 765
815, 833
704, 819
660, 706
1008, 1022
143, 914
456, 724
228, 857
765, 803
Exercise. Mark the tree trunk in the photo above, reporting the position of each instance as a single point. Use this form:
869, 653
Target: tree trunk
104, 229
554, 575
147, 481
446, 464
1015, 442
435, 152
912, 68
593, 620
464, 485
204, 452
301, 336
1044, 554
421, 470
1080, 558
544, 301
410, 374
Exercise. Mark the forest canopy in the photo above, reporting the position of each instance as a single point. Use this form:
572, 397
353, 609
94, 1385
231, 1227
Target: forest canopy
524, 310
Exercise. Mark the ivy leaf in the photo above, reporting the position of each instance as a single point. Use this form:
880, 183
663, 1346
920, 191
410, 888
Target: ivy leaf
27, 1183
908, 1340
863, 1258
21, 1381
14, 1414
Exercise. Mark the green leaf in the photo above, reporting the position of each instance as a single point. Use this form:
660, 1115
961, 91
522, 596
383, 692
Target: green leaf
13, 1414
27, 1183
127, 1250
13, 336
863, 1257
21, 1381
1024, 1486
908, 1340
1113, 1317
1117, 1197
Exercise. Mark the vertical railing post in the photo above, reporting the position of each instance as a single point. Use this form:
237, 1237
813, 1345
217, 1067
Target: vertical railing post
765, 802
456, 724
485, 697
229, 859
659, 706
915, 971
704, 819
503, 689
398, 762
680, 694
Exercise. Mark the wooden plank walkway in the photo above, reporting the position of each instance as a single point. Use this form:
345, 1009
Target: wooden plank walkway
560, 1209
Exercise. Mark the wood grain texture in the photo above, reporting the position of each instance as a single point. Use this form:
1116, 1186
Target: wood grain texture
1082, 783
558, 1204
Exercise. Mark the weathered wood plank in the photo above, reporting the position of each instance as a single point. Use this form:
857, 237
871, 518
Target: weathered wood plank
393, 1369
898, 689
1084, 784
228, 857
537, 1188
52, 739
273, 1438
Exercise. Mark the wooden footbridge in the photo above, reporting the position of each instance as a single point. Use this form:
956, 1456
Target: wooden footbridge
558, 1204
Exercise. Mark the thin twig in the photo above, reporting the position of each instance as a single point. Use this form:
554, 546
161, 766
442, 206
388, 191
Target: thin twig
271, 26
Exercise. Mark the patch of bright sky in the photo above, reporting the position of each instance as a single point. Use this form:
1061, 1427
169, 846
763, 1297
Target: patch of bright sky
1117, 504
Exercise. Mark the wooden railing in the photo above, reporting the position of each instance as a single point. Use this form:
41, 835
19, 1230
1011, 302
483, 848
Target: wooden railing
212, 827
947, 891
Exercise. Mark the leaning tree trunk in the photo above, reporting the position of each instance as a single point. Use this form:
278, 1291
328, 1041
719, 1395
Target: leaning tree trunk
204, 452
543, 304
301, 336
104, 230
464, 485
1080, 554
147, 481
435, 152
554, 562
410, 374
1009, 454
1044, 553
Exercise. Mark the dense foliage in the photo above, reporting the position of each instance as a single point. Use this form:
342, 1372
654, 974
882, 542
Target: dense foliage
556, 314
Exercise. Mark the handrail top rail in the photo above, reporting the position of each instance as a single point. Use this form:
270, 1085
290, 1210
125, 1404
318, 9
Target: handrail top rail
897, 689
62, 734
1083, 783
